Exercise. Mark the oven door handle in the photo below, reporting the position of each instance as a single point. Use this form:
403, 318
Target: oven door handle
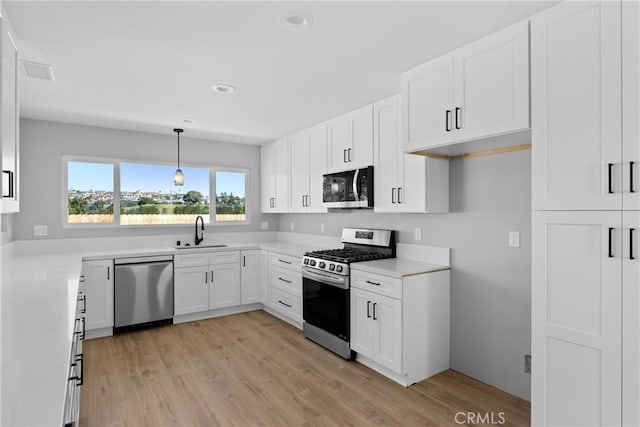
325, 279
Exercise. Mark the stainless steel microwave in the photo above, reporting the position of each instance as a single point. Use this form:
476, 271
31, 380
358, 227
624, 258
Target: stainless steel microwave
348, 189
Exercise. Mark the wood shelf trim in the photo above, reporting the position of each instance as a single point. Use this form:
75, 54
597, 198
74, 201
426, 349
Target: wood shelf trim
475, 154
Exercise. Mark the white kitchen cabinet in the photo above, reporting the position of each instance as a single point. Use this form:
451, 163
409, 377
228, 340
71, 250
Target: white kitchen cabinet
250, 276
285, 287
275, 176
576, 107
9, 119
576, 317
631, 107
377, 328
630, 318
350, 140
191, 289
206, 281
264, 283
308, 162
97, 286
475, 92
404, 182
400, 326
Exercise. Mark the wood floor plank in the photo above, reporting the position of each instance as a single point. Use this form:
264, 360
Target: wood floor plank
254, 369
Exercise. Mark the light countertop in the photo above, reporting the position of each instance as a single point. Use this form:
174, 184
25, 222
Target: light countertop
39, 295
398, 267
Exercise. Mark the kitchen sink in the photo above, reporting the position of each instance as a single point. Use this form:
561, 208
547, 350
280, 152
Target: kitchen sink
201, 246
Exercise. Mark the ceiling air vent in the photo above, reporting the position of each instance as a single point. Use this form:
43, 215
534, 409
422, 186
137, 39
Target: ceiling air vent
37, 70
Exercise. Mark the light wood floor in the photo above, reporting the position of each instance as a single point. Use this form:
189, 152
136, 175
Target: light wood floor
254, 369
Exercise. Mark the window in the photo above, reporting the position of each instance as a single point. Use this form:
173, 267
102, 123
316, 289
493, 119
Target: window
127, 193
230, 196
89, 193
148, 196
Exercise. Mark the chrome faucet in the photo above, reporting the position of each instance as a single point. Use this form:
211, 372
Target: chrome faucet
200, 238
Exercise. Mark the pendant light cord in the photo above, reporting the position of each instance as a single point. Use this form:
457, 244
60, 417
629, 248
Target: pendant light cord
178, 150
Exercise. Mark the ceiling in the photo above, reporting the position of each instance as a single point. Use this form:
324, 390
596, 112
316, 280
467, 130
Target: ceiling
146, 65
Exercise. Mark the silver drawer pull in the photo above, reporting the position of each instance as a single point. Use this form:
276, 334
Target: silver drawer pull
285, 304
373, 283
284, 280
286, 262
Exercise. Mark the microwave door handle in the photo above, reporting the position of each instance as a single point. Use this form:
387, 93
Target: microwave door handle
355, 185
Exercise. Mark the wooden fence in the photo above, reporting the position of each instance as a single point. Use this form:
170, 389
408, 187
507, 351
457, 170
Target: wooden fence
151, 219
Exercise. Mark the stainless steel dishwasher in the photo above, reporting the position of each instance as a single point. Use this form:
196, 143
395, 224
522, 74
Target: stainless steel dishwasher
143, 292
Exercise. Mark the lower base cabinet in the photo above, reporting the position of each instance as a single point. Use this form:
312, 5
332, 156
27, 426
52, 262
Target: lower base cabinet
400, 327
285, 286
96, 283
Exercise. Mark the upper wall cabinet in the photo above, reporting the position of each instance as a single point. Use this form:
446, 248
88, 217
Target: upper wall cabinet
475, 92
275, 176
308, 162
350, 140
404, 182
9, 119
576, 101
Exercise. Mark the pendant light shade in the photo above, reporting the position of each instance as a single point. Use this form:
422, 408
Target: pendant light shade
178, 177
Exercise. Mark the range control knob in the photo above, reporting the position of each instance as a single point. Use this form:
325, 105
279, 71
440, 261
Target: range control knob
322, 264
312, 262
332, 267
306, 261
339, 268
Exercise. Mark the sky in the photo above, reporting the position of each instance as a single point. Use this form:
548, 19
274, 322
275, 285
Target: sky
136, 176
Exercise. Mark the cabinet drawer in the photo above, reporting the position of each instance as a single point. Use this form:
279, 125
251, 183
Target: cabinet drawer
191, 260
382, 285
286, 279
285, 302
285, 261
225, 257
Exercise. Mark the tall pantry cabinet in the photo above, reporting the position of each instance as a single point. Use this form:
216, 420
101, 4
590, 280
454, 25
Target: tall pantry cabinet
585, 189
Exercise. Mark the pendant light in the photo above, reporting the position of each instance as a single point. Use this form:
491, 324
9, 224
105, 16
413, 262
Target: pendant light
178, 177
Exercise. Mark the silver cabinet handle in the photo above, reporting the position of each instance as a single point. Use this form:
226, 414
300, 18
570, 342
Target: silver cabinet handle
344, 155
399, 195
373, 283
458, 121
349, 154
212, 277
375, 304
393, 195
108, 273
206, 277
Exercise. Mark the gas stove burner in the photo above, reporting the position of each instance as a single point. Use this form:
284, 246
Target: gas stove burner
346, 255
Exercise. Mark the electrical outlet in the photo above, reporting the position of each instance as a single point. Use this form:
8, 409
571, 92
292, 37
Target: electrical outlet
527, 363
322, 228
264, 225
40, 230
417, 233
292, 226
514, 239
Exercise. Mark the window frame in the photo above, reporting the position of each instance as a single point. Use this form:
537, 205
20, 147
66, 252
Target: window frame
64, 196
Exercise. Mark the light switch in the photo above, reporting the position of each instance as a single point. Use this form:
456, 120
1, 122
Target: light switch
417, 233
40, 230
514, 239
264, 225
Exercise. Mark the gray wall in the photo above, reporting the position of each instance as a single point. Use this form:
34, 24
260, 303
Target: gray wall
43, 143
490, 281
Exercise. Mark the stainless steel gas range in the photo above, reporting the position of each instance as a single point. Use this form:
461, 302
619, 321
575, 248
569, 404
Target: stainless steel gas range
326, 285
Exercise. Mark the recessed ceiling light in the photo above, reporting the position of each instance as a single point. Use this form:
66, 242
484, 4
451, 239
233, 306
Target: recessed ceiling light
188, 121
223, 88
296, 20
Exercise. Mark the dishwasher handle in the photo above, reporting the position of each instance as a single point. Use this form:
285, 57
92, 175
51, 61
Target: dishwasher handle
143, 259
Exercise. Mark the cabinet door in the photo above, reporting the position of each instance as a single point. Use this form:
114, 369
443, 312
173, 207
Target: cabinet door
9, 120
360, 151
224, 287
250, 277
299, 171
282, 175
576, 107
387, 330
339, 140
576, 318
386, 153
98, 288
361, 339
268, 177
491, 87
427, 102
631, 319
317, 167
191, 289
631, 105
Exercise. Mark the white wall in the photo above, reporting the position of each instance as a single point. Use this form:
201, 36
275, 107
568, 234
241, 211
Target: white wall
43, 143
490, 282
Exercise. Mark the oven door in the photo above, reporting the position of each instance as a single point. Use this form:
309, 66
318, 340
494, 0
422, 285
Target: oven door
325, 302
